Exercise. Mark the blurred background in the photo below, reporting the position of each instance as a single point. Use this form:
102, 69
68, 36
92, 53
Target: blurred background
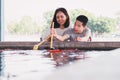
28, 20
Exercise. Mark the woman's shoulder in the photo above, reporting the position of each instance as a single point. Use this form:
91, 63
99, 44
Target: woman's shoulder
70, 26
69, 30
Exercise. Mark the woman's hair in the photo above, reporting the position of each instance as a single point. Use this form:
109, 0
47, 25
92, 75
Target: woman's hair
56, 24
82, 19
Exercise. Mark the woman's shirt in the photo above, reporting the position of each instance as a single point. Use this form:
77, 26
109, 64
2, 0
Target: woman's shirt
61, 31
58, 30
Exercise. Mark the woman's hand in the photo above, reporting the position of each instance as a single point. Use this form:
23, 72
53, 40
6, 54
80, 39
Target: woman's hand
53, 32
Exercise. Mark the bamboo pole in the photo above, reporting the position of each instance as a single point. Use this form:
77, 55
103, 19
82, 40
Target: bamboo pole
51, 42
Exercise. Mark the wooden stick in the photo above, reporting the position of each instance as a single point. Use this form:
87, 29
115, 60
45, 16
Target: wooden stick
51, 42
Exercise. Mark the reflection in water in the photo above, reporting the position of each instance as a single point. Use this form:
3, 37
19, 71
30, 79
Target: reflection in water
38, 65
66, 56
102, 65
20, 64
72, 64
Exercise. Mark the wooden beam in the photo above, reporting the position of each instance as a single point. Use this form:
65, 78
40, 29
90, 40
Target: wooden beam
61, 45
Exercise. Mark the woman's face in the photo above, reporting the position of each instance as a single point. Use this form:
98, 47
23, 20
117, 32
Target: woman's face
61, 18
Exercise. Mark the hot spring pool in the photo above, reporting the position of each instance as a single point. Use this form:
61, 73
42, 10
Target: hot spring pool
81, 65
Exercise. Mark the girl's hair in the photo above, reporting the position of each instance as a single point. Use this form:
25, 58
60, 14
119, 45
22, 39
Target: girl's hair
56, 24
82, 19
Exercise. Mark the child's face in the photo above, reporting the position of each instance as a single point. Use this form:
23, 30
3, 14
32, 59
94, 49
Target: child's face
78, 27
61, 18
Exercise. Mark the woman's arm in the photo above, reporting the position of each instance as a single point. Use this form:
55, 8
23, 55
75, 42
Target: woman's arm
59, 37
62, 38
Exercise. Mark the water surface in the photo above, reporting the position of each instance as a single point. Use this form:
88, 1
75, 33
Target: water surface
66, 65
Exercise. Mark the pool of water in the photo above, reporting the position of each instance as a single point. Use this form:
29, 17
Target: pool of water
65, 65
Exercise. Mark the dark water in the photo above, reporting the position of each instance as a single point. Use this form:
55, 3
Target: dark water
65, 65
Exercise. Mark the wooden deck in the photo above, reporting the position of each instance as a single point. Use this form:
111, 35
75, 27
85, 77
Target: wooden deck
61, 45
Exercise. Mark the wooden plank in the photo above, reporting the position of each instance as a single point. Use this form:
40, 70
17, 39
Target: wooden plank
62, 45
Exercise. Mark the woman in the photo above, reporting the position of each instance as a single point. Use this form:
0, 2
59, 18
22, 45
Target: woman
61, 20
